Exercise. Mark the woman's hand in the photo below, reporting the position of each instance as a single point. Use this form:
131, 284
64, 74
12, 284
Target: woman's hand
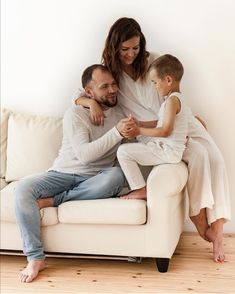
96, 114
201, 121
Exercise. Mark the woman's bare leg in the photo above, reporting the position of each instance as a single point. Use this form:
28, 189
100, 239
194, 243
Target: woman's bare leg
200, 221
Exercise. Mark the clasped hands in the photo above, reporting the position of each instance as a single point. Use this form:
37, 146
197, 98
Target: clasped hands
129, 127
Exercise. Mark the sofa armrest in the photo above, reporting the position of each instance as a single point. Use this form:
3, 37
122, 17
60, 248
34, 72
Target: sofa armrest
166, 208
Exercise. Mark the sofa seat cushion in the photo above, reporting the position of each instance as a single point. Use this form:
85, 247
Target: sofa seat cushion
48, 215
103, 211
113, 211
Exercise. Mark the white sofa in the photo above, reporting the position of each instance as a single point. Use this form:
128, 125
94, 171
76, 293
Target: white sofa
110, 227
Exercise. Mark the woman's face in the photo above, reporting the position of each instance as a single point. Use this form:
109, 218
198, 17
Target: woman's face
129, 50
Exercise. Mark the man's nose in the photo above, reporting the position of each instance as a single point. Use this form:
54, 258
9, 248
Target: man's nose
111, 89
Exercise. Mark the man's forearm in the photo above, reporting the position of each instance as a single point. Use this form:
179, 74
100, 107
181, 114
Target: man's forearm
89, 152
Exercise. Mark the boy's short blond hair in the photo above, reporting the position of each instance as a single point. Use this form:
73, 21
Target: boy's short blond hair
168, 65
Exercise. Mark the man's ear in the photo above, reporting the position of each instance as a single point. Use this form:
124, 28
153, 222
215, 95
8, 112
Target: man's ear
89, 92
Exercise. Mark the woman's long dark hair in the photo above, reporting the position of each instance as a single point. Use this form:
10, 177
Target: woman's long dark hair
122, 30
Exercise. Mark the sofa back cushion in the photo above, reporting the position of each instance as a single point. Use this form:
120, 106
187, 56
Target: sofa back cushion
32, 145
4, 123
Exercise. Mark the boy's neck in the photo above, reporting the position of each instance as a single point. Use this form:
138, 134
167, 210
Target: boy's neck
175, 88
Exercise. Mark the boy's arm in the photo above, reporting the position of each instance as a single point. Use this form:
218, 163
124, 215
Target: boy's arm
148, 124
172, 107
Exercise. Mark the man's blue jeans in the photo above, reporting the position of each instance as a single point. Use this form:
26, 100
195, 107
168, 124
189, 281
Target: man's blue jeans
63, 187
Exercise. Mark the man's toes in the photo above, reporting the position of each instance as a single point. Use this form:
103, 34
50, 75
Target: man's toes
23, 278
29, 279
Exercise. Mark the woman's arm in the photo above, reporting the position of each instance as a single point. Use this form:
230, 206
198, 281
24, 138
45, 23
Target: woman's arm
96, 113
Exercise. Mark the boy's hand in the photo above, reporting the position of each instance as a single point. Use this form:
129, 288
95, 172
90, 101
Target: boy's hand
132, 132
134, 119
125, 125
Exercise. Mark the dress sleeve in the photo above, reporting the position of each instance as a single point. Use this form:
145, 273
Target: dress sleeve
78, 94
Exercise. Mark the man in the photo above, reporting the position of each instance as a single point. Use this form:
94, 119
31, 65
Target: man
84, 168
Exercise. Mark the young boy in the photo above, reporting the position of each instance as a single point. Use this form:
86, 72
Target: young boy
161, 141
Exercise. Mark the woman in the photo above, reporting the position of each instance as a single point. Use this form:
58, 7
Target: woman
126, 57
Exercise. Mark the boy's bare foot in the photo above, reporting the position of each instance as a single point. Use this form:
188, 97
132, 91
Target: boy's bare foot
45, 202
215, 235
136, 194
28, 274
200, 221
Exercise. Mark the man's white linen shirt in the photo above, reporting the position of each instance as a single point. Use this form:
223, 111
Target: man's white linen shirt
87, 149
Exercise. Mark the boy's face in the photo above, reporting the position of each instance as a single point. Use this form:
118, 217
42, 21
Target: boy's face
162, 85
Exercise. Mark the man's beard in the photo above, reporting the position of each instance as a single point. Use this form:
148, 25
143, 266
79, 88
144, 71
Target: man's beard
110, 104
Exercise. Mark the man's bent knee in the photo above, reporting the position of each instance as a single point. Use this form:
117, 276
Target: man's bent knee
114, 180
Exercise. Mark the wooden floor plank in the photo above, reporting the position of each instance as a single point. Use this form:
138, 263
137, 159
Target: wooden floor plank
191, 270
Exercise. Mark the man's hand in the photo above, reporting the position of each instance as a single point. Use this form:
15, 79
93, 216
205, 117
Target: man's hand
125, 127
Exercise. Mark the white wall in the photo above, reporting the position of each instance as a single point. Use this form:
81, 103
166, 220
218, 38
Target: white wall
47, 43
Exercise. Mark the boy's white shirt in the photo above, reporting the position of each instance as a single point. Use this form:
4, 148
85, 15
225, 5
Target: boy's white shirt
177, 139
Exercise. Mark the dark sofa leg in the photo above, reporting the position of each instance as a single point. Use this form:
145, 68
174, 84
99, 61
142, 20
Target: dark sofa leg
162, 264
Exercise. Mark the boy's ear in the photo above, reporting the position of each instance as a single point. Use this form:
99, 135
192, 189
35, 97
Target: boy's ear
169, 80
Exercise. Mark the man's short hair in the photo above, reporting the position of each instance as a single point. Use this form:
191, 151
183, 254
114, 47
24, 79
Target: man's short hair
168, 65
87, 74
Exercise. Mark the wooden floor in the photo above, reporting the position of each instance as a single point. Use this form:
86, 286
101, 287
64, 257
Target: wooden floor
191, 270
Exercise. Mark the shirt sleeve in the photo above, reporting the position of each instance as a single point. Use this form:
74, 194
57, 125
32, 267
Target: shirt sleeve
78, 134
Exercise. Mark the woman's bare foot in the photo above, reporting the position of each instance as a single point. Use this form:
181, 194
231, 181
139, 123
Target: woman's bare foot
45, 202
136, 194
200, 221
215, 235
31, 271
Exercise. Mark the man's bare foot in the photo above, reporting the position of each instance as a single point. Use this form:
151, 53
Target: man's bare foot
45, 202
200, 221
215, 235
28, 274
136, 194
